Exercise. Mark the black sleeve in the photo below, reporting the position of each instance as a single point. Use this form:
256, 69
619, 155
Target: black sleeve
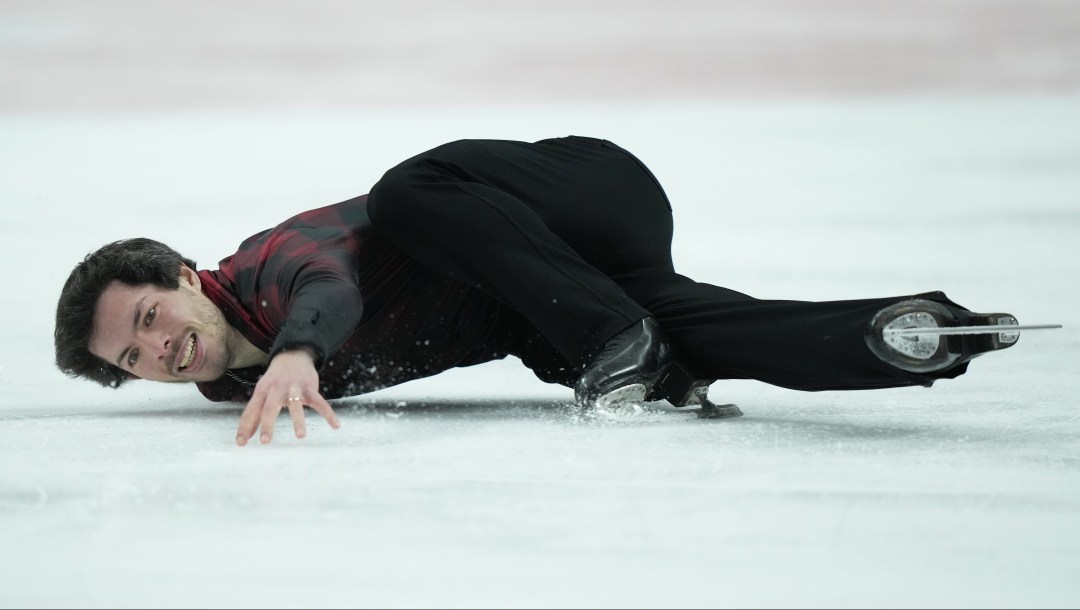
317, 283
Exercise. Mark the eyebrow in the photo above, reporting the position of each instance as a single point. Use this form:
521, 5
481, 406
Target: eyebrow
134, 325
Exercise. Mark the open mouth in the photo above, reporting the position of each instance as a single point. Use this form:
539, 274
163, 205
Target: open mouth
189, 353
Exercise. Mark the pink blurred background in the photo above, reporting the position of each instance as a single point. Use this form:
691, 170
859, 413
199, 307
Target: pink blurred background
133, 55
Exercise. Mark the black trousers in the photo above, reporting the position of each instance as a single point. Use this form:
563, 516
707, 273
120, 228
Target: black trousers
574, 235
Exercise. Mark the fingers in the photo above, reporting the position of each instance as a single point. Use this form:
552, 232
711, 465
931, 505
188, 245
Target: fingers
264, 407
262, 410
249, 419
323, 408
290, 381
271, 409
295, 403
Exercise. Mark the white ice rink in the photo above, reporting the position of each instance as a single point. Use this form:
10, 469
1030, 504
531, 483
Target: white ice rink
477, 488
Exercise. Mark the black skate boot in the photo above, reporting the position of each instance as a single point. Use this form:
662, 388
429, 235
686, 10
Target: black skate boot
627, 367
893, 335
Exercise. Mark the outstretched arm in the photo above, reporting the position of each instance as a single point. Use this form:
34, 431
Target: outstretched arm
310, 292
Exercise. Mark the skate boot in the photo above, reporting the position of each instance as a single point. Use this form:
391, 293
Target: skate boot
923, 336
627, 367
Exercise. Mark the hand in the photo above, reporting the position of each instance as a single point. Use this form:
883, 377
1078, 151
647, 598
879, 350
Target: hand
290, 381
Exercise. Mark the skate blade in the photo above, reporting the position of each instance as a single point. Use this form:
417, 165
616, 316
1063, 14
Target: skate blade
969, 330
714, 411
1009, 332
705, 408
633, 394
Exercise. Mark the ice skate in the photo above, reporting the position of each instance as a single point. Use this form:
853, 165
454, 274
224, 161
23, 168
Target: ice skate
627, 367
923, 336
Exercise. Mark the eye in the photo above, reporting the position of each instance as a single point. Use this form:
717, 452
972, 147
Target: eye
150, 315
133, 357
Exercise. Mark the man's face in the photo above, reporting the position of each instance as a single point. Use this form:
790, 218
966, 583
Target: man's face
160, 334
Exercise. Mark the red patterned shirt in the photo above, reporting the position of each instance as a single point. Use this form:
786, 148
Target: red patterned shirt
329, 280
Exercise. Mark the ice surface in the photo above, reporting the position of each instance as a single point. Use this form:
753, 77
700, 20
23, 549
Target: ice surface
478, 487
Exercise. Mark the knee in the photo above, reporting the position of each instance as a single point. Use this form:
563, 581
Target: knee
436, 165
394, 199
406, 189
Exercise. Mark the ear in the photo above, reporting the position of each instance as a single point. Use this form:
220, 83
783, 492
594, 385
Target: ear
190, 277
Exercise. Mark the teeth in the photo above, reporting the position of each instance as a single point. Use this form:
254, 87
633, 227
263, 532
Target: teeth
190, 353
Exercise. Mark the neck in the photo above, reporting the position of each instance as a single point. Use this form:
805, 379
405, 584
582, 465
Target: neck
244, 353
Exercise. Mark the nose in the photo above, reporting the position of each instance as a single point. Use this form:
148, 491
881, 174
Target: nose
157, 344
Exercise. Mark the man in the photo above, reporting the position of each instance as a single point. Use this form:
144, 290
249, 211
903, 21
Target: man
557, 252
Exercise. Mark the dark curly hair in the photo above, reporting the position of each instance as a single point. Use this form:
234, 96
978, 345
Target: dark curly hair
134, 262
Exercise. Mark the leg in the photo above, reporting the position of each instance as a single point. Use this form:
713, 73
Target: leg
490, 214
575, 235
722, 334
